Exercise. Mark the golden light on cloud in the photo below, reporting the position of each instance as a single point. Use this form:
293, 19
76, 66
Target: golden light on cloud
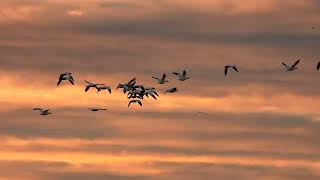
75, 13
261, 121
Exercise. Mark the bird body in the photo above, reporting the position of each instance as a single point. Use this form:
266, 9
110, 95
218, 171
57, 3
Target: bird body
229, 66
162, 80
97, 109
172, 90
293, 67
182, 76
135, 101
43, 112
90, 85
103, 87
65, 76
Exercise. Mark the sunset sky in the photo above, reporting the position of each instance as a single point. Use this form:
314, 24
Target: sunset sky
262, 123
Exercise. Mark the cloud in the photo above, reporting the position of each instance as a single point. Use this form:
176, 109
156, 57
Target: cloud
261, 122
75, 13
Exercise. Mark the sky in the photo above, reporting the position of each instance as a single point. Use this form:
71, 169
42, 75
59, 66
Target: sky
261, 123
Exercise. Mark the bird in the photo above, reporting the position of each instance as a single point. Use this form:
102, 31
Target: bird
66, 76
127, 86
103, 87
151, 90
137, 93
293, 67
172, 90
162, 80
132, 82
43, 112
135, 101
150, 93
90, 85
97, 109
183, 76
318, 66
203, 113
227, 67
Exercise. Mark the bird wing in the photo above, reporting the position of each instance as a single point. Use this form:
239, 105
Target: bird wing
156, 78
235, 68
318, 66
175, 73
155, 93
184, 73
163, 77
285, 65
226, 70
154, 97
295, 64
71, 81
70, 76
60, 79
87, 88
132, 80
88, 82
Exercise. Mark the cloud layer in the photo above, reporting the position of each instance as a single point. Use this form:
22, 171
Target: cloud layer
260, 123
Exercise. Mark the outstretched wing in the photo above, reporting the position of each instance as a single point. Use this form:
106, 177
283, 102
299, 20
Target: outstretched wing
235, 68
226, 70
295, 64
87, 88
60, 79
163, 77
88, 82
156, 78
71, 77
154, 97
184, 73
285, 65
155, 93
71, 81
175, 73
132, 80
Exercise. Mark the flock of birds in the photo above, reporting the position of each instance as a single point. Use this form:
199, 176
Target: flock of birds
136, 92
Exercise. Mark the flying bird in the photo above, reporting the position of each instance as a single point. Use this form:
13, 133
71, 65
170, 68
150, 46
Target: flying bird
291, 68
151, 90
172, 90
97, 109
43, 112
162, 80
103, 87
127, 86
182, 76
229, 66
90, 85
135, 101
66, 76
